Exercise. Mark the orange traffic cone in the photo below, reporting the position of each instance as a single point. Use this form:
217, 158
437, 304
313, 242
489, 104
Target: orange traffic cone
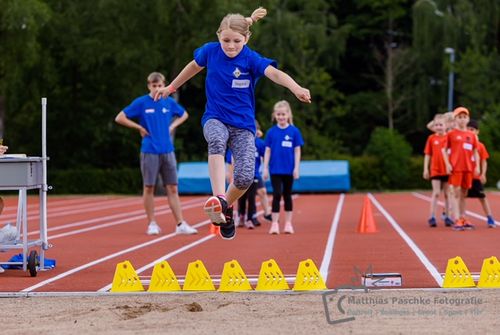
214, 230
367, 222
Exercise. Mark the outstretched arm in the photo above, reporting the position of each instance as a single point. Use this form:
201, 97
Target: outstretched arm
283, 79
187, 73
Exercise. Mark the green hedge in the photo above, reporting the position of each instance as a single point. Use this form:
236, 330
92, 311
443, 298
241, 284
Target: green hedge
367, 173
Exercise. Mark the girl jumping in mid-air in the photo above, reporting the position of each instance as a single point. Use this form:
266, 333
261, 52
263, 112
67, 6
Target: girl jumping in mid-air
232, 73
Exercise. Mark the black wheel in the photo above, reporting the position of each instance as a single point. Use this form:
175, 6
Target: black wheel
32, 263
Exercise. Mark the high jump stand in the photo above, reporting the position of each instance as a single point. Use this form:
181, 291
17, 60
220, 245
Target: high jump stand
28, 173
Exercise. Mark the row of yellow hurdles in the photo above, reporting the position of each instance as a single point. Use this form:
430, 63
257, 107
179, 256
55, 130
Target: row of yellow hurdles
457, 274
233, 278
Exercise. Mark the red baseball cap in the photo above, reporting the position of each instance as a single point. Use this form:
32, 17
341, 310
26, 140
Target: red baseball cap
460, 110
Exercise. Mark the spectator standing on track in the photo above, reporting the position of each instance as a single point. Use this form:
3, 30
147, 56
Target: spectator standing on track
281, 162
233, 70
477, 189
460, 165
157, 151
435, 168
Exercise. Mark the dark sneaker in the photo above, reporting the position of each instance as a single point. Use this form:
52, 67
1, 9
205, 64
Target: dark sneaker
459, 225
432, 222
215, 207
228, 230
468, 225
491, 222
255, 222
448, 222
268, 217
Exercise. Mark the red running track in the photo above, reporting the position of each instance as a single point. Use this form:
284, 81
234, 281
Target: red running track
91, 234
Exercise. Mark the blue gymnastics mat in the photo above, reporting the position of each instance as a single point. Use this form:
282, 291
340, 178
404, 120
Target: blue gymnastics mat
315, 176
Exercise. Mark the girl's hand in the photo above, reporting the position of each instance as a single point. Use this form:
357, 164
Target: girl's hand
265, 174
426, 175
482, 178
161, 93
164, 92
295, 173
303, 94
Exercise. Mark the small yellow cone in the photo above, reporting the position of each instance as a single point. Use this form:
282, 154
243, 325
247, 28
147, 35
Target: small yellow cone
271, 277
490, 273
163, 279
308, 277
457, 274
126, 279
198, 278
233, 278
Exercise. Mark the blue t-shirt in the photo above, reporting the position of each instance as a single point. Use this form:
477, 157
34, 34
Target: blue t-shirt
260, 149
155, 117
230, 84
282, 143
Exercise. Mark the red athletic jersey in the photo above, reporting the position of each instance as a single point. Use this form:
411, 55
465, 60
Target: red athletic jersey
462, 144
433, 148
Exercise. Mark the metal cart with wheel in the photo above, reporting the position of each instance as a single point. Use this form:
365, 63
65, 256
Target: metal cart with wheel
23, 174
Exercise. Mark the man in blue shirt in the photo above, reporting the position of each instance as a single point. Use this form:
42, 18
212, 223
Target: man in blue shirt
155, 126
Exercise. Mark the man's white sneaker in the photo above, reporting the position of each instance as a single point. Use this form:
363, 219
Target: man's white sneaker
2, 270
185, 229
153, 228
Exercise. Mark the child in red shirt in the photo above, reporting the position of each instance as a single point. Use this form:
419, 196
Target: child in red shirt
435, 168
477, 190
463, 148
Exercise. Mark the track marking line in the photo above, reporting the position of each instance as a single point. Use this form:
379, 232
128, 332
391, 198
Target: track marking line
139, 214
119, 253
111, 256
330, 243
420, 254
88, 207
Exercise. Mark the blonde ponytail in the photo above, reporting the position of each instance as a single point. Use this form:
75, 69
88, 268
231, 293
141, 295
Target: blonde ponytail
241, 24
257, 14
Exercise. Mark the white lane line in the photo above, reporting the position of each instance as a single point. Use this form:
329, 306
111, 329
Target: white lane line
106, 258
63, 211
420, 254
165, 257
118, 222
103, 259
160, 210
440, 203
327, 257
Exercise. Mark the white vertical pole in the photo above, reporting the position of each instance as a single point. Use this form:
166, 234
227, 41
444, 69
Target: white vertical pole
43, 202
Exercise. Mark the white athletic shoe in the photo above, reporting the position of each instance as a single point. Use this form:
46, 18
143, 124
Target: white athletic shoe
153, 228
2, 270
185, 229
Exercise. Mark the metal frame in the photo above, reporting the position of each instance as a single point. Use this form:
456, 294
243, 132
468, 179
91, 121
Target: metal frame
35, 164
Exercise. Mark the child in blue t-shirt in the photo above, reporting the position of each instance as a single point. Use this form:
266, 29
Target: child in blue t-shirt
156, 121
233, 70
281, 161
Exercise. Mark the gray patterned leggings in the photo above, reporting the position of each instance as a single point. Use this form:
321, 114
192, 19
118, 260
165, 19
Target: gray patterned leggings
242, 144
